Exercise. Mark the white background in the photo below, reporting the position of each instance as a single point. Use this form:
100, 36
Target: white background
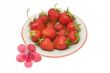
94, 56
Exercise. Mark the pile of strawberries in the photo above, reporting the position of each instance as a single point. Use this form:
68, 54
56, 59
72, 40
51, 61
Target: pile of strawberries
55, 30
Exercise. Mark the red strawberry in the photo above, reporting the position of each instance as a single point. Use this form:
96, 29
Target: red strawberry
40, 27
71, 26
53, 22
59, 26
62, 33
66, 17
46, 44
37, 25
74, 37
35, 35
49, 33
53, 14
34, 24
50, 25
43, 17
61, 43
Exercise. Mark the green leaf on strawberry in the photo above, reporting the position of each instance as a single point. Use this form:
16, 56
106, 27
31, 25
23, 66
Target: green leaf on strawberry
77, 26
68, 42
43, 13
37, 43
78, 38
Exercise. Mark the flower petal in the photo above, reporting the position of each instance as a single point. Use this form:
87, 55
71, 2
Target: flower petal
21, 48
37, 57
20, 58
28, 64
31, 47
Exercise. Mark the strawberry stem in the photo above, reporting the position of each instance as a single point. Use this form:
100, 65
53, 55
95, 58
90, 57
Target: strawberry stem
42, 13
55, 5
67, 10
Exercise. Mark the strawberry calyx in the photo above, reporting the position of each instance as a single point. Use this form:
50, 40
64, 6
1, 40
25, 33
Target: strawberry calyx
68, 42
77, 26
55, 5
43, 13
32, 33
57, 9
40, 40
78, 38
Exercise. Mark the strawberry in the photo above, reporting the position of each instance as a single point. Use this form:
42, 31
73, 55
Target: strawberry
49, 33
74, 37
62, 33
53, 22
59, 27
46, 44
53, 14
43, 17
37, 25
66, 17
35, 35
50, 25
34, 24
71, 26
61, 43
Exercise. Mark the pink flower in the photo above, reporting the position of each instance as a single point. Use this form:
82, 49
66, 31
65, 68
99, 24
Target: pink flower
28, 55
